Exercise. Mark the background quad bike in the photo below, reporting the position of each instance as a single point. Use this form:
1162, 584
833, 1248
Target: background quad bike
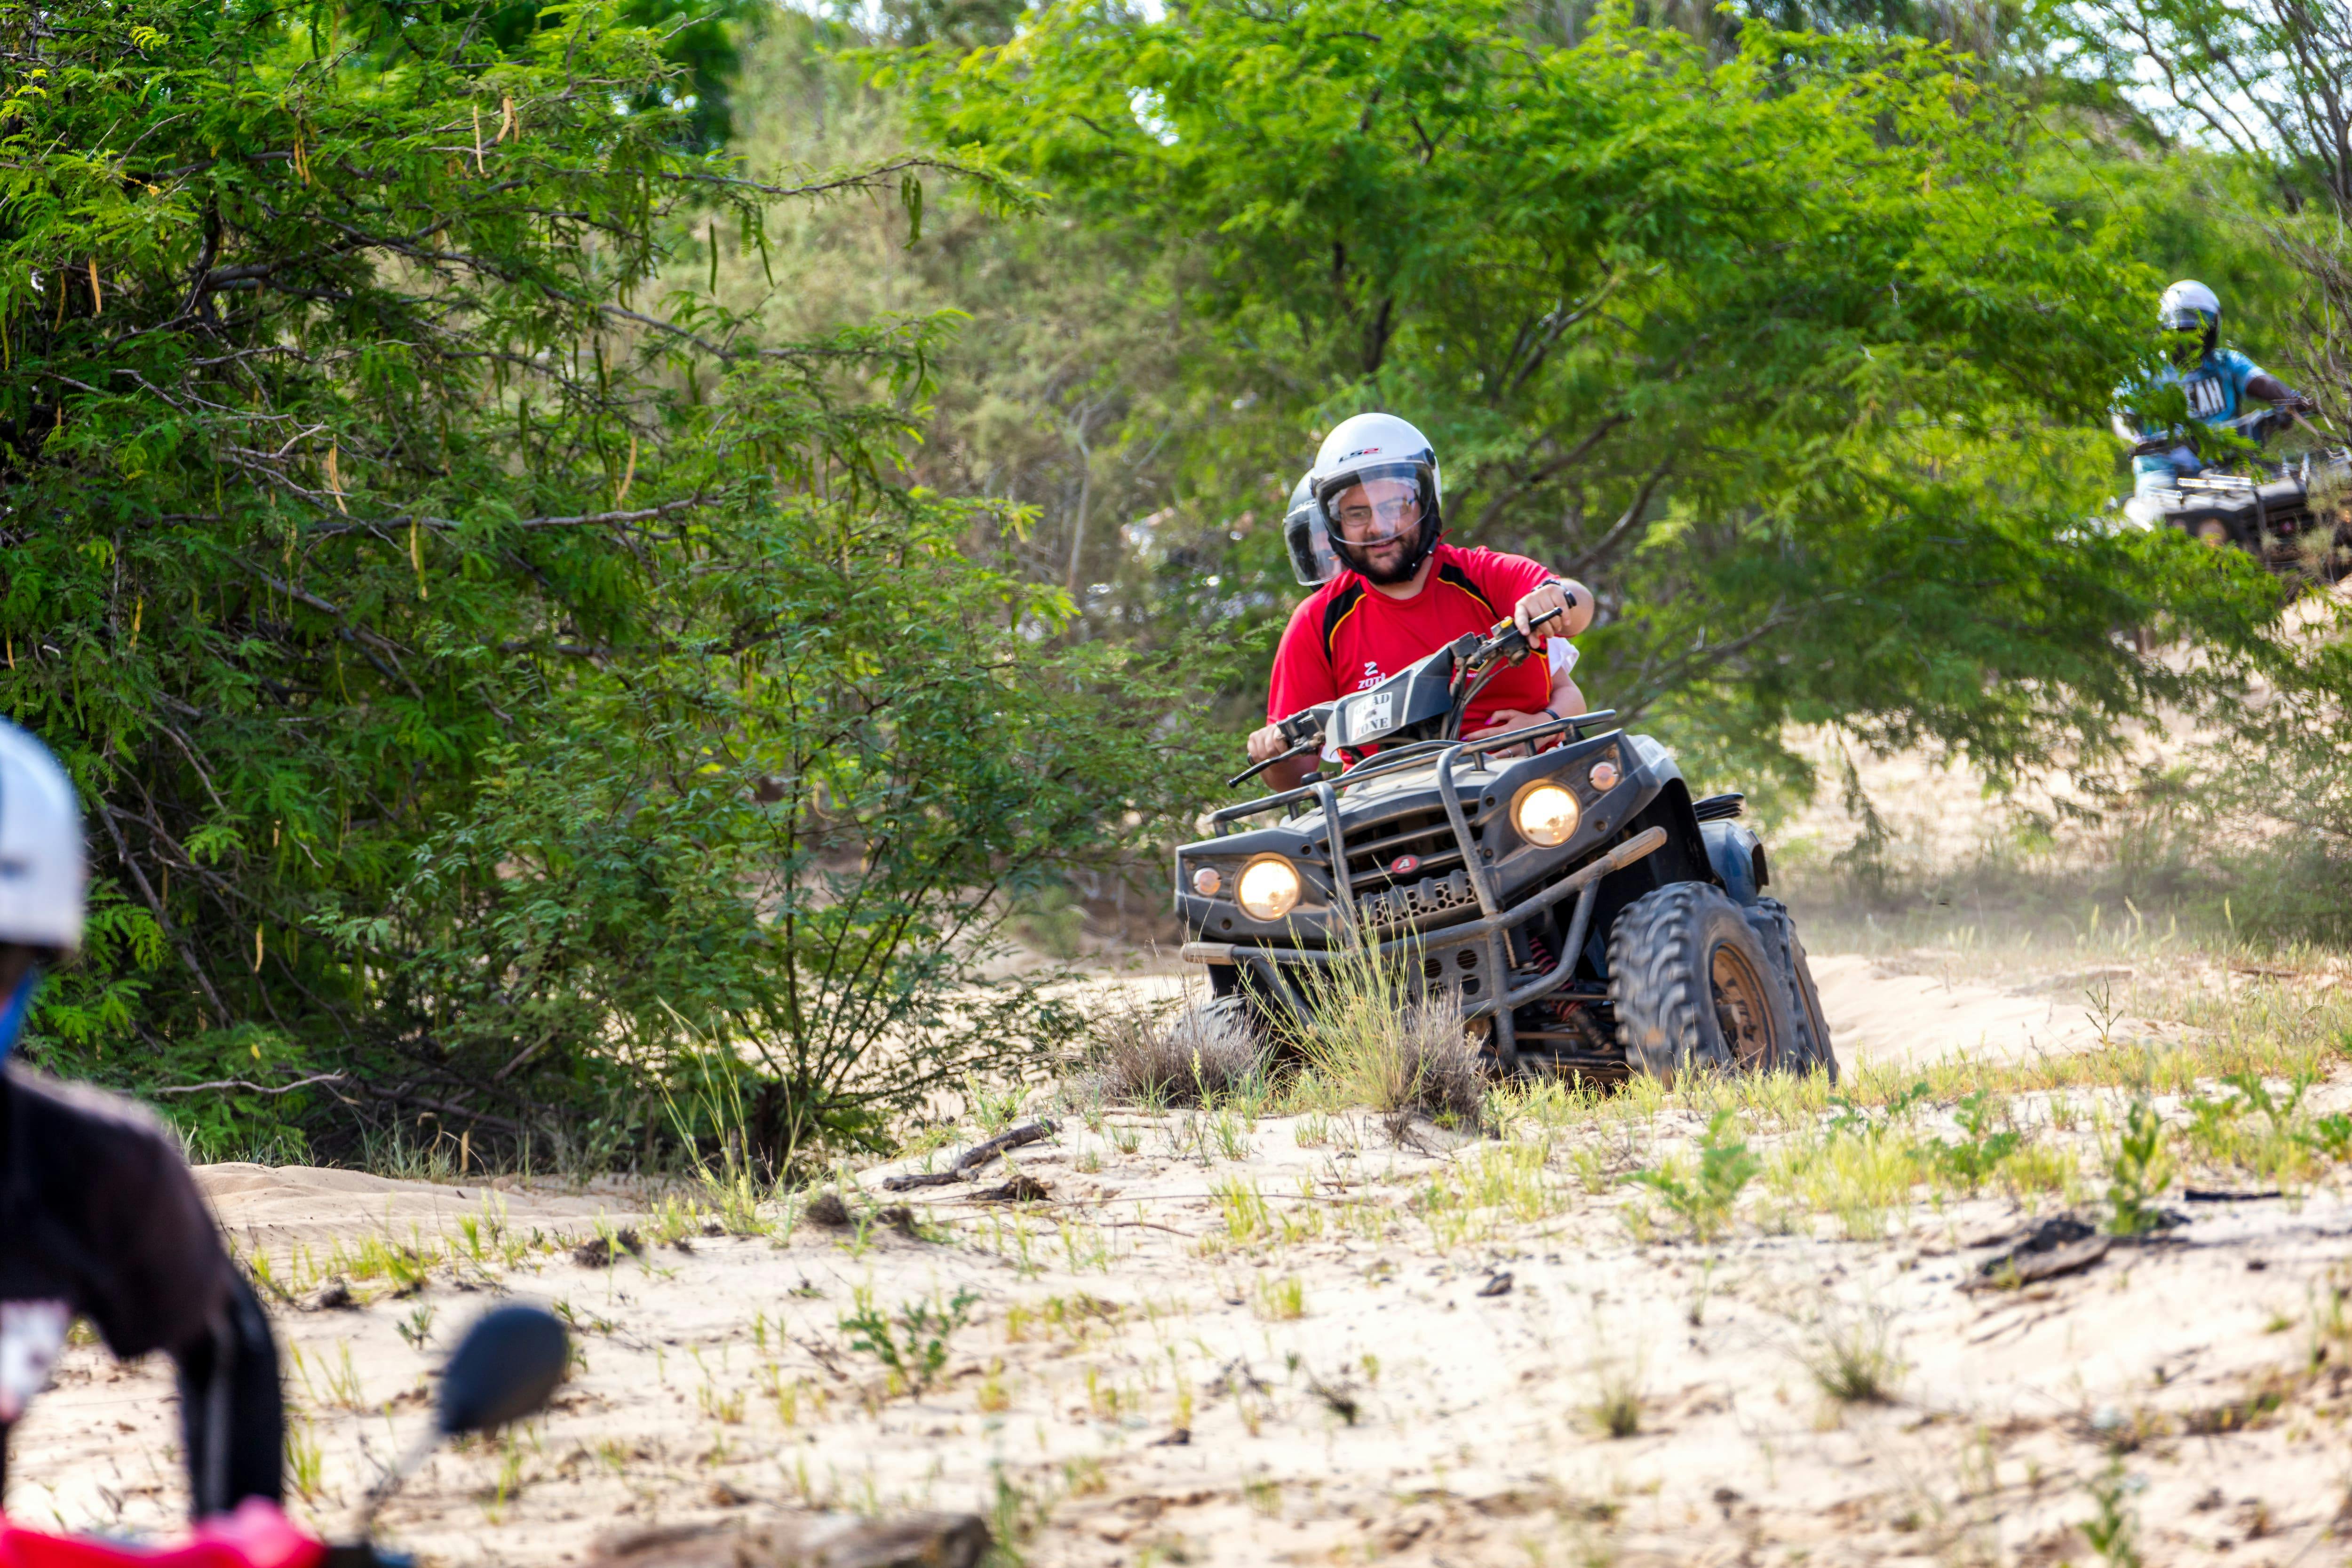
2294, 516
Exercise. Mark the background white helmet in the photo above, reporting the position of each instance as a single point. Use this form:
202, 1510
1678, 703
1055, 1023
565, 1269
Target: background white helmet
40, 846
1379, 446
1306, 537
2190, 307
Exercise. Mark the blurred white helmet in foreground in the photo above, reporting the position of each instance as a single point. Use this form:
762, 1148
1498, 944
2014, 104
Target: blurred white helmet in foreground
41, 868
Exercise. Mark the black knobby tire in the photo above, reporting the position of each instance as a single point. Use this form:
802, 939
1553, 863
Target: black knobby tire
1235, 1009
1777, 931
1693, 988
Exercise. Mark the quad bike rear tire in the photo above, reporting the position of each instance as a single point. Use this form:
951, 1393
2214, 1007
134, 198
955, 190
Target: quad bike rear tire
1695, 989
1778, 931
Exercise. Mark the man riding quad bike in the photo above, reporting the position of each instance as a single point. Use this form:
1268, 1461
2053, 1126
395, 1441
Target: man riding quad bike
2189, 425
1545, 876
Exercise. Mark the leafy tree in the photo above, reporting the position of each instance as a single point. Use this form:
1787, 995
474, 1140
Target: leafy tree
2261, 86
2238, 146
1778, 348
493, 670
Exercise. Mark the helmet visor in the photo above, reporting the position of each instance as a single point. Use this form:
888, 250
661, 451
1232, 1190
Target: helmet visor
1372, 506
2185, 319
1312, 559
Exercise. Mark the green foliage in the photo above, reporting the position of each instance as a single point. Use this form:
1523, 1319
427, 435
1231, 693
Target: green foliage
1077, 383
2137, 1173
2331, 1135
496, 670
2114, 1531
914, 1346
1851, 1118
1968, 1162
1826, 442
1702, 1199
2251, 1093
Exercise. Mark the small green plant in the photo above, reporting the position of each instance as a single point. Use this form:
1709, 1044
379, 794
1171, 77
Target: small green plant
1702, 1199
418, 1327
306, 1462
914, 1347
1968, 1163
720, 1406
2138, 1172
994, 1110
1249, 1217
2254, 1094
2112, 1533
2330, 1135
337, 1383
1616, 1408
1232, 1138
994, 1399
1281, 1300
1851, 1356
2213, 1129
1848, 1116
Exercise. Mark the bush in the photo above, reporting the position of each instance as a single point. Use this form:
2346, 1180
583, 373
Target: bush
497, 674
1144, 1057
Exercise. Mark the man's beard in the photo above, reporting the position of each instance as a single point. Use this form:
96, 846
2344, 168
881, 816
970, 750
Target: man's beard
1408, 561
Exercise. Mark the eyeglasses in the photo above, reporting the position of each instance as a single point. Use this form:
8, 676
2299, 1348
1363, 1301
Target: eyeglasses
1359, 518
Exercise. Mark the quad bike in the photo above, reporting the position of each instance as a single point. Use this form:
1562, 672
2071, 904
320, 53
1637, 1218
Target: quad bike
504, 1370
1582, 913
2295, 517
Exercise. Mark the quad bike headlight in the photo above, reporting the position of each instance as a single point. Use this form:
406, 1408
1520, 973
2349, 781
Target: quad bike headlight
1545, 814
1268, 889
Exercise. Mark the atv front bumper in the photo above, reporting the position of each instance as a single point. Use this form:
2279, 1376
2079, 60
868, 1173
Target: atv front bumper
1446, 951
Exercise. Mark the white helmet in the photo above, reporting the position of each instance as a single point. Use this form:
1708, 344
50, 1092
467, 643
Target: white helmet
1306, 537
2190, 307
40, 847
1379, 446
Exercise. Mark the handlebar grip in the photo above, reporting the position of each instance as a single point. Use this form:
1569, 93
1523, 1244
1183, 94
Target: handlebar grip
1254, 769
1306, 724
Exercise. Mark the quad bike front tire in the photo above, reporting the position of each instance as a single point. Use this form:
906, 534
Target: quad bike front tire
1233, 1011
1775, 928
1693, 988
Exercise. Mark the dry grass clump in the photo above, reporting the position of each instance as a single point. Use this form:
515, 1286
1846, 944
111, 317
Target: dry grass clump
1373, 1043
1143, 1056
1852, 1355
1417, 1059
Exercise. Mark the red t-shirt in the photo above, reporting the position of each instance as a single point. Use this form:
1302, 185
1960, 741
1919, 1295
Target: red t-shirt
1350, 635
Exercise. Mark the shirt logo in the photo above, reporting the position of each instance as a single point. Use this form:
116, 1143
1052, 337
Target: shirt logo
2206, 398
1372, 677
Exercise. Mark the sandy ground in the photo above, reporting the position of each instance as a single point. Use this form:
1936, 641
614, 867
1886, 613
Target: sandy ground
1132, 1388
282, 1210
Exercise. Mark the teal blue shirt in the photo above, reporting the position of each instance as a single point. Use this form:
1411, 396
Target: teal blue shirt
2216, 390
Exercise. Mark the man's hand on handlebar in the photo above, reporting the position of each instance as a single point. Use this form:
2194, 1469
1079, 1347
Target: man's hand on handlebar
1503, 720
1573, 600
1267, 742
